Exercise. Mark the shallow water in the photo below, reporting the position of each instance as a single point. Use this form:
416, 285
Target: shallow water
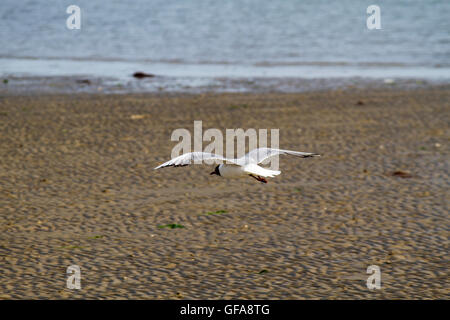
231, 39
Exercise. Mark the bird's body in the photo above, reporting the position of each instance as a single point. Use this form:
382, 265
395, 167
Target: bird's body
237, 168
231, 171
235, 171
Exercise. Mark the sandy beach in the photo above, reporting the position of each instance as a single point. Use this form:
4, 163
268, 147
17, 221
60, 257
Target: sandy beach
77, 187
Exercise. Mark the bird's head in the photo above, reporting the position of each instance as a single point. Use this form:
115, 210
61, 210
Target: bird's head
216, 170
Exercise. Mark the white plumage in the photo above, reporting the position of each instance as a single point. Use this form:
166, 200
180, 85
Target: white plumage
235, 168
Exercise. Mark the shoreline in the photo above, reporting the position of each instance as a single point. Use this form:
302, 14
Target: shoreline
25, 85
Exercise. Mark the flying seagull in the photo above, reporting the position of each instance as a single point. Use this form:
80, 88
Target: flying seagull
235, 168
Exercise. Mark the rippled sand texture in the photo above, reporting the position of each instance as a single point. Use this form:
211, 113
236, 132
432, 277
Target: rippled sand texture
77, 187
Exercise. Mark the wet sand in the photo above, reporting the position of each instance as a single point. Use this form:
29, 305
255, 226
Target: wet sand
78, 187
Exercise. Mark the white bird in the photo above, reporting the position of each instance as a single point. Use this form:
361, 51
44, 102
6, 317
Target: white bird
235, 168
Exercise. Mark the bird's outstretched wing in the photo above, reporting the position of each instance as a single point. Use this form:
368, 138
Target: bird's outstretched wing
191, 157
261, 154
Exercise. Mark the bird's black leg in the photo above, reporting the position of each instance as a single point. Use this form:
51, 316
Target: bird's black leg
260, 179
263, 180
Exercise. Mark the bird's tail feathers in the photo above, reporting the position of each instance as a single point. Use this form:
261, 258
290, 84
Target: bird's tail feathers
260, 171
